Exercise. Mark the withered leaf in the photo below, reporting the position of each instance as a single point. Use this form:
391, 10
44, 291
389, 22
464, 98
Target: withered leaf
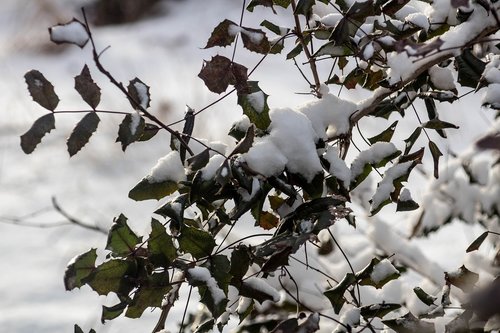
41, 90
82, 132
34, 135
87, 88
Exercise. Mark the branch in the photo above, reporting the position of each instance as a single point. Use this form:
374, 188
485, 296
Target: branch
75, 221
120, 86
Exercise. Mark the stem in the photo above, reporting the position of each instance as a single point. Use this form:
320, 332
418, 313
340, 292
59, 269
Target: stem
310, 58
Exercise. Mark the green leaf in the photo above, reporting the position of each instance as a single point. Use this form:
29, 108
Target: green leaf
436, 153
139, 94
150, 130
79, 268
210, 292
378, 310
377, 273
240, 262
78, 329
127, 134
111, 312
82, 133
220, 268
410, 141
438, 124
340, 33
360, 10
386, 135
295, 51
174, 209
470, 68
245, 144
41, 90
221, 35
251, 290
304, 7
392, 6
206, 327
255, 3
409, 324
146, 190
424, 297
121, 239
462, 278
333, 49
274, 28
162, 251
112, 276
336, 294
87, 88
477, 242
251, 101
385, 108
199, 161
197, 242
34, 135
150, 294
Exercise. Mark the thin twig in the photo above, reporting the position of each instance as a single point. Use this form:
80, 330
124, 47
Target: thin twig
75, 221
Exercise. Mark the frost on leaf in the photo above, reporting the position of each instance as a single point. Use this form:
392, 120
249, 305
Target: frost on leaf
255, 40
377, 273
73, 32
87, 88
220, 72
254, 105
82, 132
34, 135
41, 90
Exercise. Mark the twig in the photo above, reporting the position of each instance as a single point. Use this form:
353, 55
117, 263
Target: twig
75, 221
120, 86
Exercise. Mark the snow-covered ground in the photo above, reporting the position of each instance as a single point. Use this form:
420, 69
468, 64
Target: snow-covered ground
166, 53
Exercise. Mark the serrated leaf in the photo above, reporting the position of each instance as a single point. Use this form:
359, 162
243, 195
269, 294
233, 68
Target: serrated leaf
149, 295
82, 133
386, 135
462, 278
220, 72
477, 242
210, 292
240, 262
87, 88
410, 324
336, 294
340, 33
121, 239
274, 28
161, 249
38, 130
255, 3
130, 130
378, 310
436, 153
111, 312
220, 268
295, 51
267, 220
359, 10
254, 105
197, 242
470, 68
73, 32
139, 92
406, 205
146, 190
79, 268
255, 40
41, 90
199, 161
223, 34
112, 276
424, 297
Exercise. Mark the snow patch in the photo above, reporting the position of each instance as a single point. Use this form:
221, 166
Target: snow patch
73, 32
382, 271
168, 167
202, 274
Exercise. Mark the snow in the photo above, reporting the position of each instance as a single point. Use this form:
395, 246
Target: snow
418, 19
243, 304
262, 285
382, 271
209, 171
142, 92
376, 153
134, 124
338, 168
350, 318
405, 195
168, 167
255, 37
331, 19
242, 124
73, 32
492, 95
386, 186
442, 78
202, 274
257, 100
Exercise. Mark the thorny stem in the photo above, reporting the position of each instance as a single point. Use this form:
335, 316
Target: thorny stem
310, 58
120, 86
